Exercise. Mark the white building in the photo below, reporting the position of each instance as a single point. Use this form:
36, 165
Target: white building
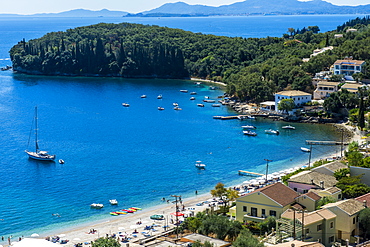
348, 67
324, 89
299, 97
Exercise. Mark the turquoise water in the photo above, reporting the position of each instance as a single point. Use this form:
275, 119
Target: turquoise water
136, 154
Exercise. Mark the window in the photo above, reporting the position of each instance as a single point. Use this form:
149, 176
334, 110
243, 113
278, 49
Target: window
254, 212
244, 208
307, 231
273, 213
319, 227
331, 224
339, 196
263, 212
295, 189
305, 191
354, 220
331, 239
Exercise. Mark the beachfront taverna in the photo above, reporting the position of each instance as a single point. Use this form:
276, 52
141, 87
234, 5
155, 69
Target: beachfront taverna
299, 97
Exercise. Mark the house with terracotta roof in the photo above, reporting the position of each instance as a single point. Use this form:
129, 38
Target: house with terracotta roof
364, 199
309, 201
348, 66
307, 180
330, 168
297, 243
331, 192
317, 226
347, 217
271, 200
298, 97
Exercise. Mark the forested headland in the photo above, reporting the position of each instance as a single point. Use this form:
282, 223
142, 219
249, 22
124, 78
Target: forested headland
253, 68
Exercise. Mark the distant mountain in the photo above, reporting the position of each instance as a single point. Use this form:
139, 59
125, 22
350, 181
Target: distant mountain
257, 7
75, 13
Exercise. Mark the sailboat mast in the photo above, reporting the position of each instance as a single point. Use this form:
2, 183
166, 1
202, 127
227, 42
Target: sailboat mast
36, 128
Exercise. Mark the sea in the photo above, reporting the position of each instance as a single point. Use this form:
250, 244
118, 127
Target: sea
136, 154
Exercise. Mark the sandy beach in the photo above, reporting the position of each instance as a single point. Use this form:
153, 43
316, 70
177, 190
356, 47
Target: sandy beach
125, 225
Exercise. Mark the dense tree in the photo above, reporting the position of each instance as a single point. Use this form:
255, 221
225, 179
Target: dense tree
246, 239
286, 105
106, 242
364, 219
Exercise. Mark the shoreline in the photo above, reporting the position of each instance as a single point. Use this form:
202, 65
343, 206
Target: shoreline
127, 223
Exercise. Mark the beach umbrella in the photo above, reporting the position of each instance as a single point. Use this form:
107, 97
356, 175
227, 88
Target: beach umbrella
35, 235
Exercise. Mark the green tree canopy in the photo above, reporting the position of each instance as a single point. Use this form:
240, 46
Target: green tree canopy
286, 105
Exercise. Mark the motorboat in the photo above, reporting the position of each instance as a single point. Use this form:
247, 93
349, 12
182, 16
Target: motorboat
242, 117
249, 133
216, 105
192, 98
160, 108
249, 127
61, 161
289, 127
177, 108
113, 202
38, 154
97, 205
159, 96
305, 149
209, 100
251, 117
212, 88
206, 97
183, 90
143, 96
175, 104
193, 93
200, 165
200, 105
125, 104
272, 132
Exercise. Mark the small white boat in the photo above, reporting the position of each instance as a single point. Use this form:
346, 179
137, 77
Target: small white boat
249, 133
160, 108
192, 98
216, 105
272, 132
200, 105
193, 93
125, 104
206, 97
289, 127
249, 127
61, 161
175, 104
183, 90
242, 117
159, 96
305, 149
143, 96
251, 117
209, 100
113, 202
97, 205
198, 164
177, 108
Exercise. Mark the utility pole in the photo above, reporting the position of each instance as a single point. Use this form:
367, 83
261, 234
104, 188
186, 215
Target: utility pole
309, 157
303, 236
294, 235
177, 217
341, 146
267, 167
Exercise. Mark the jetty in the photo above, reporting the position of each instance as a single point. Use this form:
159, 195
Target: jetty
312, 142
246, 173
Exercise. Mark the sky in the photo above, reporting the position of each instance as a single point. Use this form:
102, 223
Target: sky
132, 6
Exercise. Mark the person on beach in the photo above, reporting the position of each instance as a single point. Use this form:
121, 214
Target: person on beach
196, 192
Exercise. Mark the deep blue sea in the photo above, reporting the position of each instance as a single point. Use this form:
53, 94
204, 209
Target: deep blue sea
135, 154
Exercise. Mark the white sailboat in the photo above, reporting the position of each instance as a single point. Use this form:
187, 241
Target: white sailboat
38, 154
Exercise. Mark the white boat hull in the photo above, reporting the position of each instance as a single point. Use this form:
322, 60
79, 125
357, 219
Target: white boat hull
40, 156
305, 149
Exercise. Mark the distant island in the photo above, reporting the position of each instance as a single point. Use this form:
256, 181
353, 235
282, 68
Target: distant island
244, 8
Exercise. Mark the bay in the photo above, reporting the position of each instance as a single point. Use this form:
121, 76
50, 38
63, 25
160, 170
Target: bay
136, 154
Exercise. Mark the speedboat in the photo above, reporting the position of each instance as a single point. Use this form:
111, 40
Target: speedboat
251, 117
305, 149
175, 104
143, 96
113, 202
61, 161
199, 165
125, 104
193, 93
289, 127
183, 90
209, 100
200, 105
97, 205
177, 108
159, 96
249, 127
192, 98
272, 132
249, 133
160, 108
216, 105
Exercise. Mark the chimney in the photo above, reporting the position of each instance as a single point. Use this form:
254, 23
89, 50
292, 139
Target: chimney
364, 202
312, 181
322, 184
293, 245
